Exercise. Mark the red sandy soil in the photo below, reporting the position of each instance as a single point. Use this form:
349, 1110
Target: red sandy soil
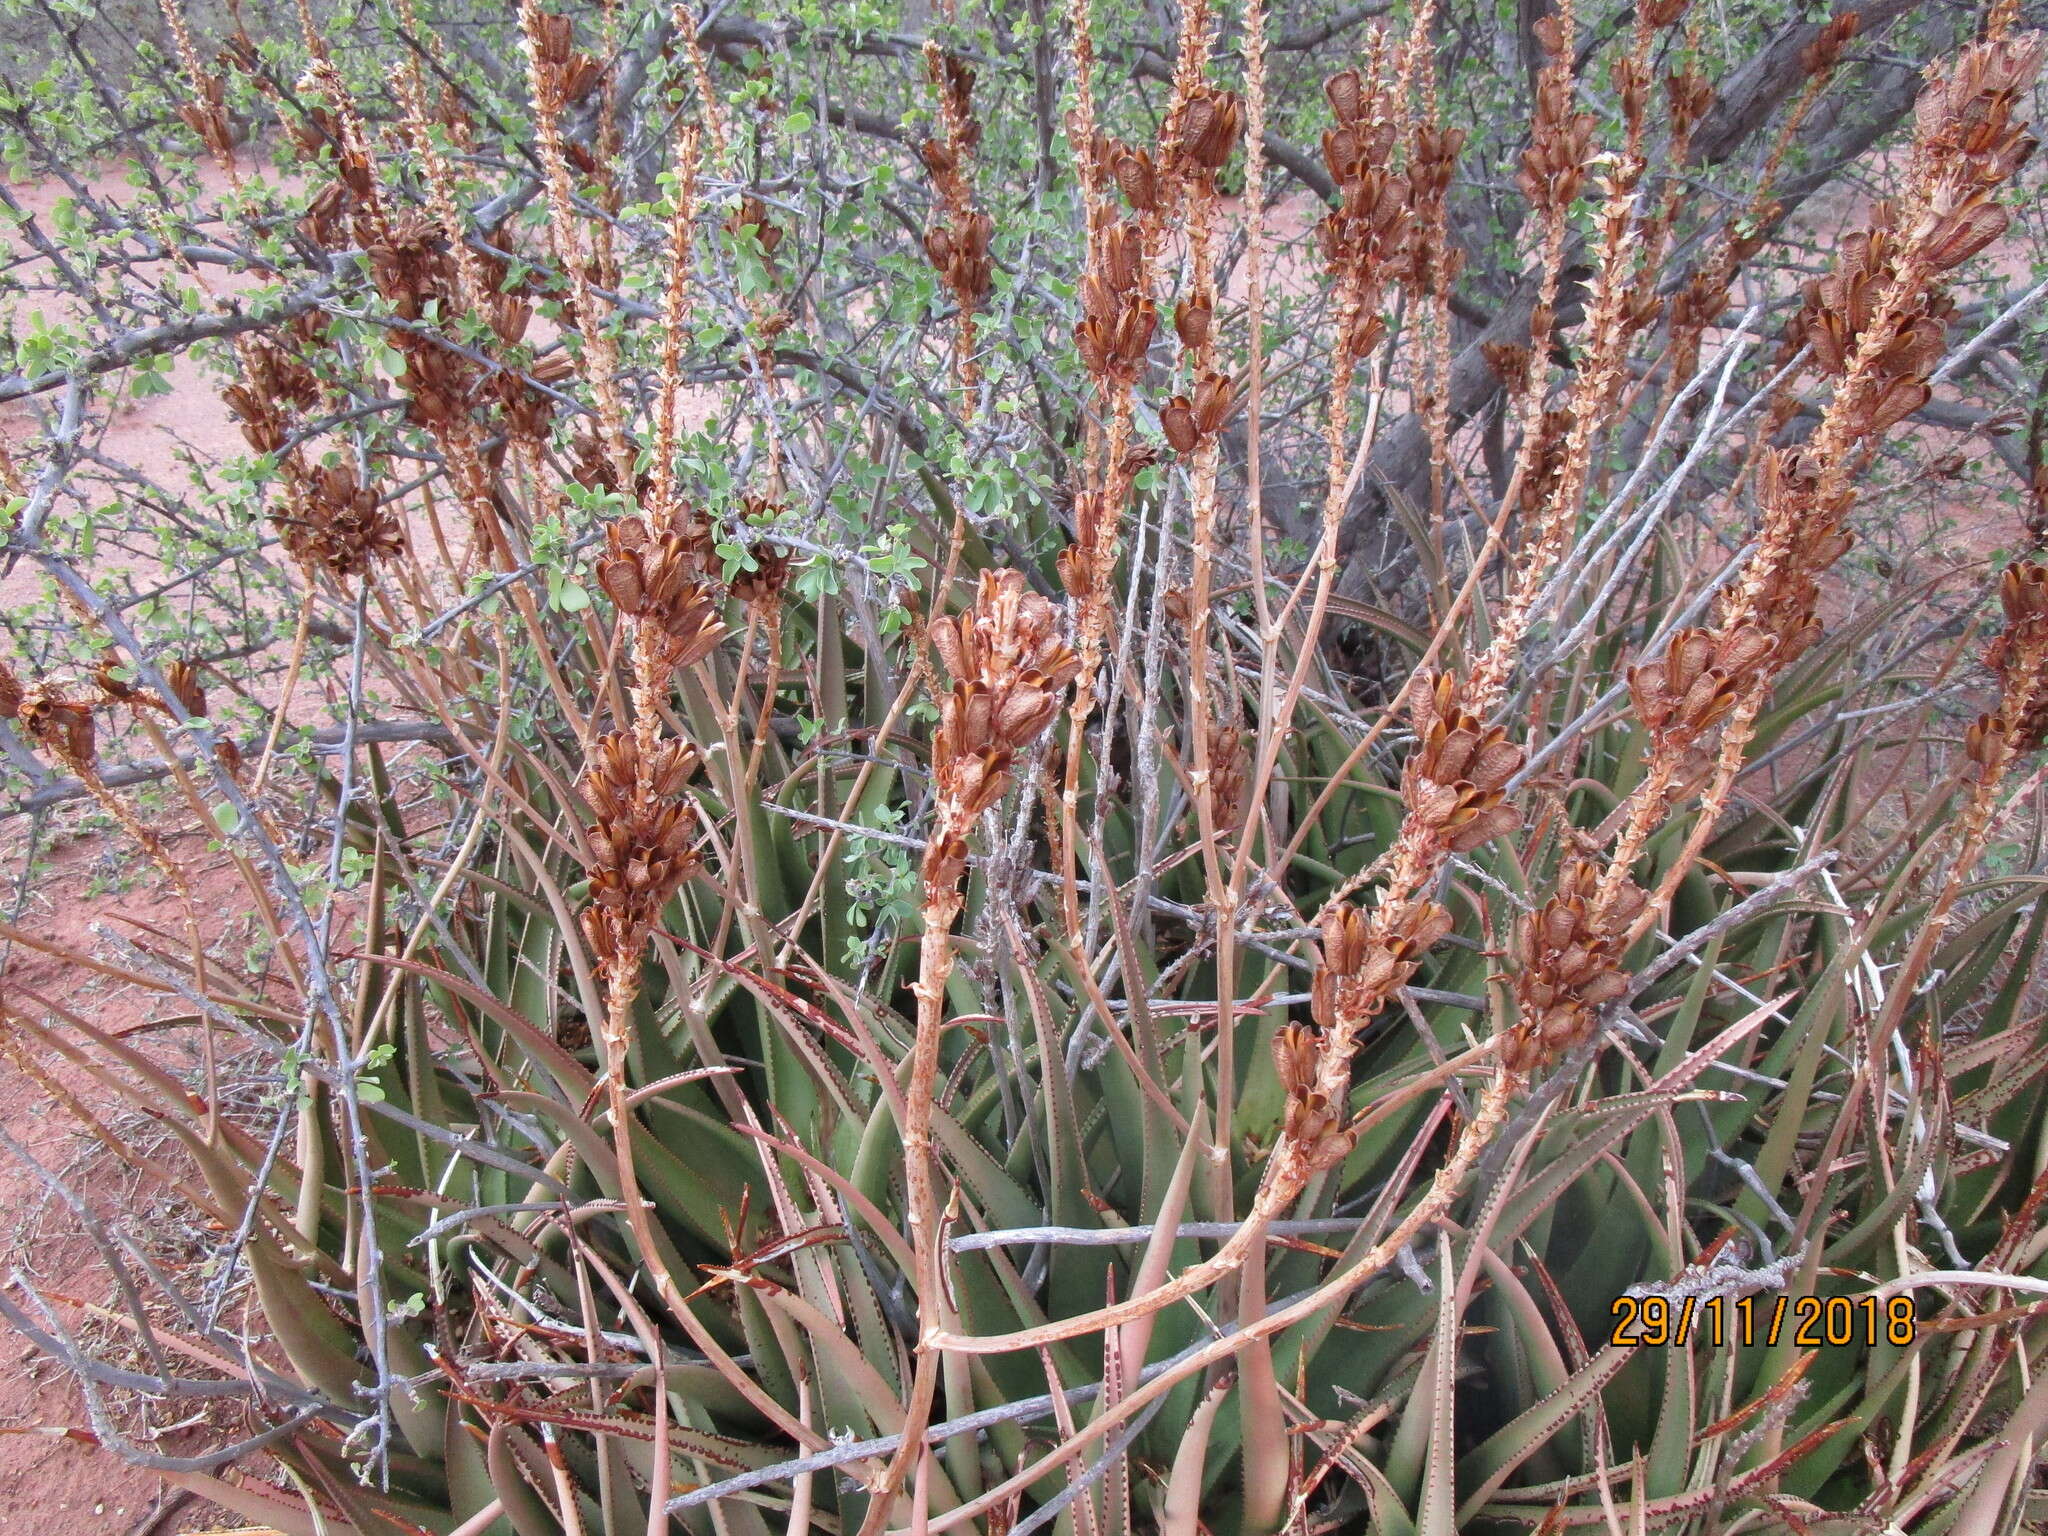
51, 1483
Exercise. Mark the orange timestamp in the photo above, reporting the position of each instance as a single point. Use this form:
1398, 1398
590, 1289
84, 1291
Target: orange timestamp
1807, 1322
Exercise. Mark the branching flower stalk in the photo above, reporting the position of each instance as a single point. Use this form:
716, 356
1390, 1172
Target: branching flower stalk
559, 76
775, 1059
1009, 666
1433, 263
1119, 315
957, 242
1696, 306
1552, 174
1453, 788
1992, 745
1878, 324
1879, 328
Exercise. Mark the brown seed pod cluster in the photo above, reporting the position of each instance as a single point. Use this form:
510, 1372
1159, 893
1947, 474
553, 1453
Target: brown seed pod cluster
209, 118
1970, 112
659, 577
181, 677
1367, 234
591, 466
1546, 454
1084, 564
1988, 744
958, 251
1840, 308
1455, 781
1195, 146
954, 79
1432, 262
1553, 167
751, 213
1133, 173
1211, 123
1194, 321
1567, 956
1700, 303
958, 241
563, 75
1366, 959
1230, 763
317, 127
411, 266
2020, 655
440, 387
1697, 682
415, 272
1118, 316
277, 387
11, 693
643, 838
1310, 1122
1009, 665
110, 682
61, 726
327, 127
1509, 363
1825, 51
1969, 140
1688, 95
335, 522
528, 410
1189, 422
765, 582
1789, 480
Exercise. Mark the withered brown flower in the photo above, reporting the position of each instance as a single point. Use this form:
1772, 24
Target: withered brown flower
61, 726
1454, 783
659, 577
642, 837
1567, 956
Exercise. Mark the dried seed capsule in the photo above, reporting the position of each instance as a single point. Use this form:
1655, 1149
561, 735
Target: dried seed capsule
1295, 1054
1346, 93
1344, 940
1985, 742
1132, 171
2023, 593
59, 725
1966, 231
1214, 402
1123, 257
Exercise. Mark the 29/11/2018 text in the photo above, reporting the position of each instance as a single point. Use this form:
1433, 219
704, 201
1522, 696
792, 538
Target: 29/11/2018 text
1807, 1322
